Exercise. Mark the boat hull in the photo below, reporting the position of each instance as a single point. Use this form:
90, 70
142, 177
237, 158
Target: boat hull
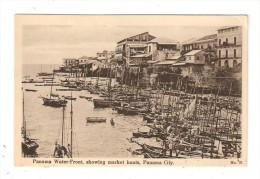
102, 103
54, 102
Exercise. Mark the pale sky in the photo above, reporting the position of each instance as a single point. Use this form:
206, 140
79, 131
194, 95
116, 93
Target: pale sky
48, 42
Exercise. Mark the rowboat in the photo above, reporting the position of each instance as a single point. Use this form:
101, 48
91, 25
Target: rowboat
96, 119
69, 97
31, 90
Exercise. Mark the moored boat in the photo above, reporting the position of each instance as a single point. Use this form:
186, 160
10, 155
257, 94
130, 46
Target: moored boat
95, 119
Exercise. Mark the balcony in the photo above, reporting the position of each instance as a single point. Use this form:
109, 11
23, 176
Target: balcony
227, 45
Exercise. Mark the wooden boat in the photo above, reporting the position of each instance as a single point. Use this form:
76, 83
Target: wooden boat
44, 74
31, 90
54, 95
130, 111
88, 97
70, 89
54, 102
95, 119
29, 145
69, 97
102, 103
32, 81
145, 134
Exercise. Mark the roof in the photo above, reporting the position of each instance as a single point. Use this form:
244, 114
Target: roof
92, 61
225, 27
179, 64
193, 52
140, 56
207, 38
164, 41
166, 62
136, 35
152, 61
176, 57
190, 41
84, 57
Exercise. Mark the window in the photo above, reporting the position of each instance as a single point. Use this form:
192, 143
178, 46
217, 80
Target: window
235, 53
235, 40
226, 53
234, 63
226, 40
149, 48
189, 57
202, 47
219, 54
198, 58
219, 41
226, 63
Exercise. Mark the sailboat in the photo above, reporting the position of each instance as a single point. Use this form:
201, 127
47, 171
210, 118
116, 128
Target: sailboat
64, 149
29, 145
54, 100
43, 73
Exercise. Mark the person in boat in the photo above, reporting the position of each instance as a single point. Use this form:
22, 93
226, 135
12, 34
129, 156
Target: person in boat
164, 147
57, 151
112, 121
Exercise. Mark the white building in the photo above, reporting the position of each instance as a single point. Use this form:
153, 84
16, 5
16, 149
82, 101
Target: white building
229, 49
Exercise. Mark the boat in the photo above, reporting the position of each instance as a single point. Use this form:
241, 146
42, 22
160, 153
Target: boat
112, 122
88, 97
64, 148
69, 97
102, 103
44, 73
29, 145
96, 119
54, 102
54, 95
146, 134
31, 90
32, 81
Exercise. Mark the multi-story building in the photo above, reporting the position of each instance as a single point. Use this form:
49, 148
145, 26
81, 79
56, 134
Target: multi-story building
229, 51
132, 46
162, 48
208, 42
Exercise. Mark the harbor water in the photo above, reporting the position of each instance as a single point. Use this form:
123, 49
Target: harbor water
90, 139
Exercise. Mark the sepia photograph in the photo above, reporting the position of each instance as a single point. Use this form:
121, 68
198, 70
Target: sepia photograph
138, 90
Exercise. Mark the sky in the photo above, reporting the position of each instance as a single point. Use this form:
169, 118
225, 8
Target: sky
49, 43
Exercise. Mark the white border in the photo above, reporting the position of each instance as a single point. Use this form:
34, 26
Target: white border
9, 8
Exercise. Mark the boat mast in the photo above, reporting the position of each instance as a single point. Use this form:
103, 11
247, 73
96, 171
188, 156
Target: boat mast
24, 123
52, 83
62, 132
71, 132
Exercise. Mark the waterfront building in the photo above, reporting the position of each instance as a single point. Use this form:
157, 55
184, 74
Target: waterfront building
229, 49
207, 42
132, 46
195, 57
188, 45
